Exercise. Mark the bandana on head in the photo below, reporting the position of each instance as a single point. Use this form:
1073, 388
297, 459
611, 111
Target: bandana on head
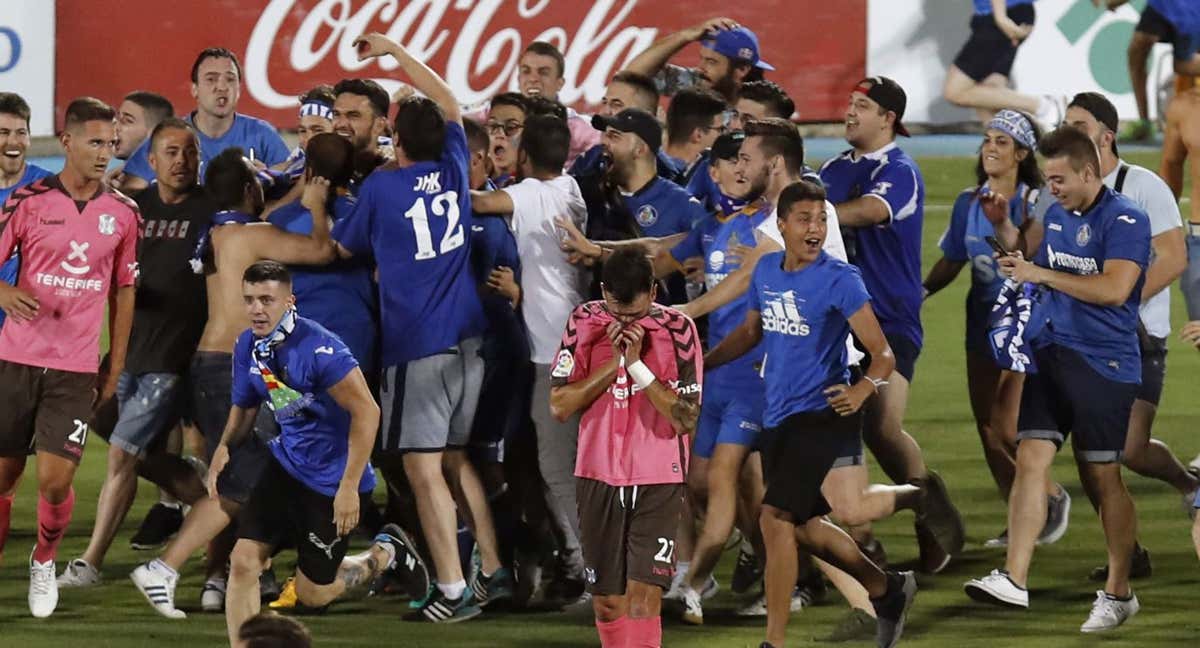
286, 403
204, 243
1016, 126
1015, 322
316, 108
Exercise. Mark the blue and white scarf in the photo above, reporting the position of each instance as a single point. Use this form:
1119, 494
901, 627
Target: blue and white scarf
1016, 321
204, 243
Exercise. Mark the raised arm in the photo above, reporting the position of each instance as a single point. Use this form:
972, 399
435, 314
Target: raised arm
425, 80
656, 56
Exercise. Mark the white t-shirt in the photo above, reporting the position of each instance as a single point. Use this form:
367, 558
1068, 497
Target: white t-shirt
834, 246
551, 286
1145, 188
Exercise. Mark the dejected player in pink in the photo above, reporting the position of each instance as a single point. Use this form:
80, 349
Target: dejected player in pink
78, 243
634, 369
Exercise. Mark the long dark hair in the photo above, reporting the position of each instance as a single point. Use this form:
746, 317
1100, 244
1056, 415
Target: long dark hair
1028, 171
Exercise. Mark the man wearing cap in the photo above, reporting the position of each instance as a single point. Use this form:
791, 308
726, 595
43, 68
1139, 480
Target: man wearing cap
1096, 116
729, 57
880, 199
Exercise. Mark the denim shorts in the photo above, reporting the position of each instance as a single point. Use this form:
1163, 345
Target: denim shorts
149, 405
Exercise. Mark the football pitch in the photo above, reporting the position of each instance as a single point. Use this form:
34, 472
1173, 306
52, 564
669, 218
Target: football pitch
114, 614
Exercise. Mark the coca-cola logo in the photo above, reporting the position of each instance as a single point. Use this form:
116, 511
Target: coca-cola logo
483, 52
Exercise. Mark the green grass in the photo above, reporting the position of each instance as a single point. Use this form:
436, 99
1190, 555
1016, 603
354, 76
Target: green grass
939, 417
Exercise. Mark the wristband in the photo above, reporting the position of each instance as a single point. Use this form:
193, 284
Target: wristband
876, 382
641, 374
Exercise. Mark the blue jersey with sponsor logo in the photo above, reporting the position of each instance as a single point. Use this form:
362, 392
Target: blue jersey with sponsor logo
340, 296
416, 223
805, 321
965, 242
712, 239
1114, 227
249, 133
888, 254
313, 444
663, 208
8, 270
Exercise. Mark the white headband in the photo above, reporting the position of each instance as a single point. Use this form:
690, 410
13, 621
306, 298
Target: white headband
324, 111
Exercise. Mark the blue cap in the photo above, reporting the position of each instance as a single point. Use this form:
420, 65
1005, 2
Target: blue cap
738, 43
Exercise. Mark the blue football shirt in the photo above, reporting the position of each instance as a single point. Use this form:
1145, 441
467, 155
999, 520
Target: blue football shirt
8, 270
250, 133
888, 254
416, 222
711, 240
340, 296
984, 7
1114, 227
312, 446
493, 245
805, 321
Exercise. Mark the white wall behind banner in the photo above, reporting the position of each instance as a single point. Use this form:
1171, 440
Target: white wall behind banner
1074, 48
27, 57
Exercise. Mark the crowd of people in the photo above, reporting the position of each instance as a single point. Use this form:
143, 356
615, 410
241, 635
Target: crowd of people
581, 354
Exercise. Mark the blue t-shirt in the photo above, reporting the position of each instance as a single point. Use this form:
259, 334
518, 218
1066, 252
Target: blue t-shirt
415, 221
964, 242
313, 445
1114, 227
592, 162
889, 254
984, 7
250, 133
8, 270
340, 296
711, 239
805, 321
1183, 14
662, 208
493, 245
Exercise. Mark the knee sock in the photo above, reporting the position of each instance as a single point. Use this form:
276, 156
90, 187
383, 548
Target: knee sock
6, 502
52, 524
614, 634
645, 633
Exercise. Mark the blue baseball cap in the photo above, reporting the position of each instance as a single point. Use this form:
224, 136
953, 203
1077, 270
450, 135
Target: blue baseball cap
738, 43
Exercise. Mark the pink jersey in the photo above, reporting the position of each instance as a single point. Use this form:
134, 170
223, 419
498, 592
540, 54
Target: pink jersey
72, 259
623, 439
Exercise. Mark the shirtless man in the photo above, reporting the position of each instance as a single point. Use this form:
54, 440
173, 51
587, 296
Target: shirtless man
1181, 142
224, 253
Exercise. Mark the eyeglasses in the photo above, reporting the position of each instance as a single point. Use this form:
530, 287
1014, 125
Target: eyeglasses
510, 128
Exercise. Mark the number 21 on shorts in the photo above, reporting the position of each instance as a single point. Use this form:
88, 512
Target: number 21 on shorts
79, 435
666, 551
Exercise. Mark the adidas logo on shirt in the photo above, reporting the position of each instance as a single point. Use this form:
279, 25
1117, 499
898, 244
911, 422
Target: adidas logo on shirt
780, 314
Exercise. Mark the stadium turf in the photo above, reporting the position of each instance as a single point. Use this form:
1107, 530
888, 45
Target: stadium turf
115, 614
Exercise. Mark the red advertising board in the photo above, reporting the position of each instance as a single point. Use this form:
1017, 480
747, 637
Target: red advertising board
286, 46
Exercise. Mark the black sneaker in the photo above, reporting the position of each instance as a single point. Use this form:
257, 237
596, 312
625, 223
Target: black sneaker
492, 589
439, 609
408, 568
1140, 566
746, 573
875, 551
891, 609
161, 522
268, 586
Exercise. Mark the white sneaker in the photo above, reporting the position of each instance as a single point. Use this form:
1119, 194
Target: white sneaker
693, 609
159, 590
212, 597
999, 541
79, 574
1108, 613
997, 588
43, 589
1189, 503
1051, 112
758, 608
711, 587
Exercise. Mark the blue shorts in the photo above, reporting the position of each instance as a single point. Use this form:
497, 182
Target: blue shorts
1067, 396
729, 415
1189, 283
149, 405
1184, 44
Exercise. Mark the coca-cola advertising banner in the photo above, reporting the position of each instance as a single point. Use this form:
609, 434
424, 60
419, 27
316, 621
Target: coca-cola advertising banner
287, 46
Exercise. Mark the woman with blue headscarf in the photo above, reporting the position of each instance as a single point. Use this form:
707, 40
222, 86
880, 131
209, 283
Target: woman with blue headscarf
1008, 184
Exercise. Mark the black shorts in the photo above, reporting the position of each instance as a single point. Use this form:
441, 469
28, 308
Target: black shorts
797, 455
627, 533
44, 410
212, 382
503, 412
1067, 396
283, 511
989, 51
1154, 368
904, 350
1154, 23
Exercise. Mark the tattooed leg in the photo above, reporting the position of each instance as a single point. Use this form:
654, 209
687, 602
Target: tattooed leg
354, 572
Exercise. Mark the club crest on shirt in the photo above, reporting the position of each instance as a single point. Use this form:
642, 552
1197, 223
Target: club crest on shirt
108, 225
647, 216
563, 365
1083, 235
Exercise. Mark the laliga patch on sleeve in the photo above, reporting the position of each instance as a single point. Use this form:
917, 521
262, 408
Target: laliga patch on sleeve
563, 365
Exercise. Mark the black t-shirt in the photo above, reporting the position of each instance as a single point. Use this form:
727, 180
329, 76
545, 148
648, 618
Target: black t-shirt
172, 304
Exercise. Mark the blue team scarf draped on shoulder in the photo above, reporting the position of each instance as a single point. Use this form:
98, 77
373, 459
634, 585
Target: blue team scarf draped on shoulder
204, 244
1016, 320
